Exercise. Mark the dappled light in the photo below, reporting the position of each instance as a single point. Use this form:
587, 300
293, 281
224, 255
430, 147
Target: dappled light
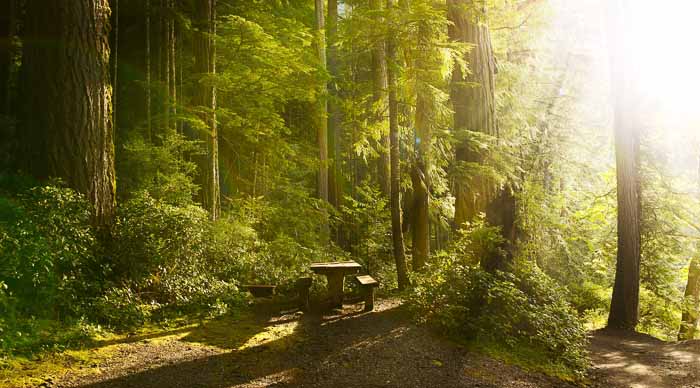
349, 193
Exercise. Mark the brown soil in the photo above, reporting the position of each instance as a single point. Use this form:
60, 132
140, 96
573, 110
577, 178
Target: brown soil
346, 348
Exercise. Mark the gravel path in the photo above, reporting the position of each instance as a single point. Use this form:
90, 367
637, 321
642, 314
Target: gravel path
633, 360
346, 349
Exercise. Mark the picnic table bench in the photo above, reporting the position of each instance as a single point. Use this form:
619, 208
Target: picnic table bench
367, 286
335, 272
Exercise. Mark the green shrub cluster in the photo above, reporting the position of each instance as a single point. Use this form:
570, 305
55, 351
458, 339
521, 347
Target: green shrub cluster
519, 309
161, 259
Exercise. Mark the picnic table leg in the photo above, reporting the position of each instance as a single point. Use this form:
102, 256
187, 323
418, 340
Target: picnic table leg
335, 289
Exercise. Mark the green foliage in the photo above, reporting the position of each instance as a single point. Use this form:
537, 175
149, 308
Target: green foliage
165, 257
48, 251
522, 308
160, 169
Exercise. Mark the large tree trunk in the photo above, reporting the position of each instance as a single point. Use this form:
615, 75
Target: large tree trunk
205, 64
67, 112
691, 305
322, 119
624, 307
379, 90
473, 99
396, 231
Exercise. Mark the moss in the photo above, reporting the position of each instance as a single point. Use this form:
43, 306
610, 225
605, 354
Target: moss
240, 333
23, 372
526, 357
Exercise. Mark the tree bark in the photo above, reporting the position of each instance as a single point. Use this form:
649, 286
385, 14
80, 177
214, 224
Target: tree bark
379, 90
334, 114
691, 301
395, 165
624, 307
322, 119
473, 99
691, 305
67, 110
420, 173
148, 70
205, 64
6, 49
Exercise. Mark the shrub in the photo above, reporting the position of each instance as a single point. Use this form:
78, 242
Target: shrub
170, 257
121, 308
524, 308
48, 251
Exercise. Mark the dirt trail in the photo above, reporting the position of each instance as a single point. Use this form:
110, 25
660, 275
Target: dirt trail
633, 360
346, 349
354, 349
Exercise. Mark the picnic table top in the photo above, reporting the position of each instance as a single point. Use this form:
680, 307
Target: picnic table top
336, 266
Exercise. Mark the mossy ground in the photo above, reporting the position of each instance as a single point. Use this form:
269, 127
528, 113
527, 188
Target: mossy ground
239, 332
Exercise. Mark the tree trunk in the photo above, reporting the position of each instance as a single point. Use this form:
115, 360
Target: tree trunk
334, 114
691, 305
691, 301
379, 75
322, 119
6, 49
624, 307
394, 138
67, 117
205, 64
148, 70
473, 100
421, 222
420, 174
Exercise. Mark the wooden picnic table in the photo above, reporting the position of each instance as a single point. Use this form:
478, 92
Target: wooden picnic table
335, 272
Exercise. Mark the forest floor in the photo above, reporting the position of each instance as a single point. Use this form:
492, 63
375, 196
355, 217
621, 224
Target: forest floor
635, 360
347, 348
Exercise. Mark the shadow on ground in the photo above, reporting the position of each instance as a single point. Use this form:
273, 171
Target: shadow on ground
623, 359
347, 348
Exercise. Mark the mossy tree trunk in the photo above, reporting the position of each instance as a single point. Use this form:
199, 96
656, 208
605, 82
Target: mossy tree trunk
67, 99
474, 103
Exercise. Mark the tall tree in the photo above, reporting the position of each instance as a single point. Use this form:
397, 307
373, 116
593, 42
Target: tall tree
474, 102
395, 165
67, 109
379, 90
473, 99
335, 194
420, 171
7, 17
624, 306
205, 65
322, 119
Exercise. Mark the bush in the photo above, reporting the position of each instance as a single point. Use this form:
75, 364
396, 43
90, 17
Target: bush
48, 251
524, 308
170, 257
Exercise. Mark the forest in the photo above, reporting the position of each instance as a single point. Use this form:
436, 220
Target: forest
349, 193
